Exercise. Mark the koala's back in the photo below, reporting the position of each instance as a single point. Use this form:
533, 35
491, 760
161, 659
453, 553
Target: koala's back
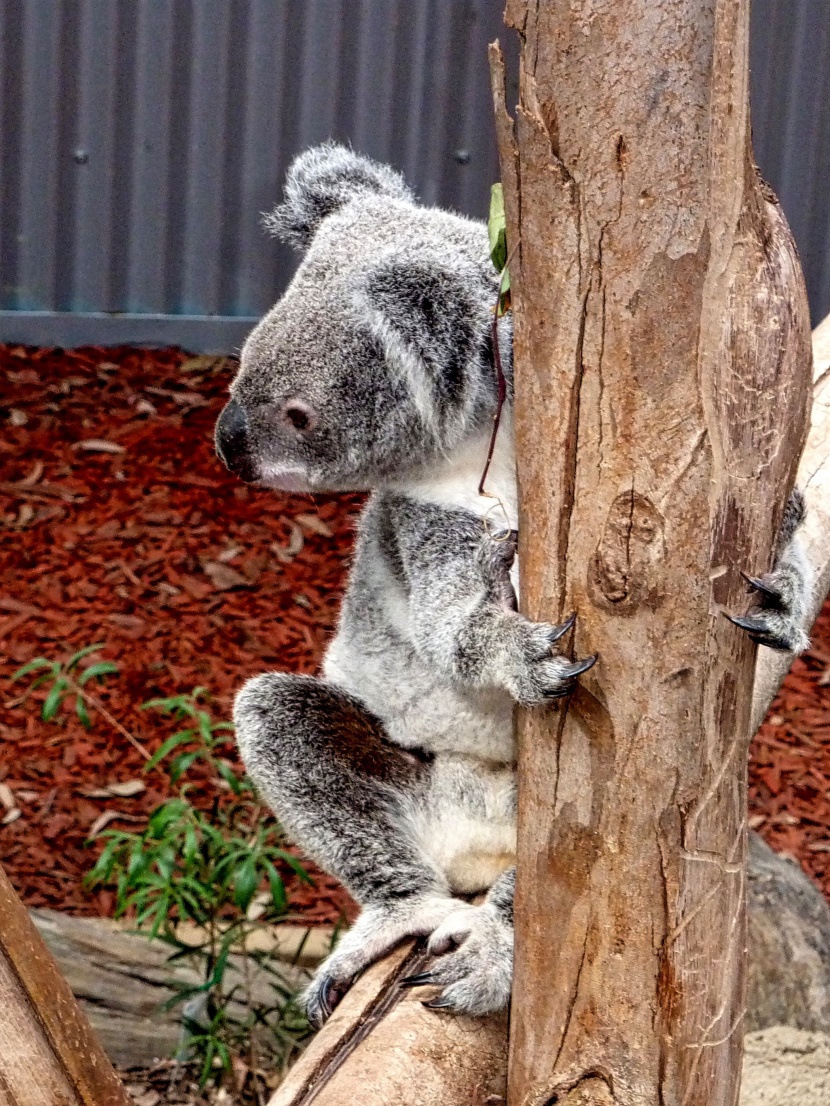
407, 552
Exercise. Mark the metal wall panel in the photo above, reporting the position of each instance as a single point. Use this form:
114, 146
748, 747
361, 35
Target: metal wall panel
141, 139
790, 58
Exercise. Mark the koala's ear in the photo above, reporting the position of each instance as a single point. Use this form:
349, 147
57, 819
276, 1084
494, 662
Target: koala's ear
320, 181
431, 320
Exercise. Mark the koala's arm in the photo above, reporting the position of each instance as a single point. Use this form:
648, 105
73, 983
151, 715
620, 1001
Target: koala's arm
462, 606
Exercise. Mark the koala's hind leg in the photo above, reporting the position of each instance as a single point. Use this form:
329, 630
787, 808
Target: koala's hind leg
342, 791
782, 596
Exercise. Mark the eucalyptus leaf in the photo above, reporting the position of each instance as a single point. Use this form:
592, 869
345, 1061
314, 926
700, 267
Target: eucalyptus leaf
53, 700
497, 228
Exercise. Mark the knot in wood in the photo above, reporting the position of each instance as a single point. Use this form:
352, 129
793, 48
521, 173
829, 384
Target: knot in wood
627, 567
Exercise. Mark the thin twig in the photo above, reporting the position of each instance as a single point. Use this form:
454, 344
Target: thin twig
99, 706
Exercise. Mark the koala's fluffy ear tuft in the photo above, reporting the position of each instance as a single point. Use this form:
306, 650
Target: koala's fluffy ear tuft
322, 180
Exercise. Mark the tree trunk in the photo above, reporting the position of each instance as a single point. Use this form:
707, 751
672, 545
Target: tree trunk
657, 288
49, 1056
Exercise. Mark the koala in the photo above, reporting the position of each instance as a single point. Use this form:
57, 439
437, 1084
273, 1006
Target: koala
395, 771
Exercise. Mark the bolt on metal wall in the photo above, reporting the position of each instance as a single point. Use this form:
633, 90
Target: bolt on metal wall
141, 139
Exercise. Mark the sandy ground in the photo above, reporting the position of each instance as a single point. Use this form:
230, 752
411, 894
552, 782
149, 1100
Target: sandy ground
786, 1067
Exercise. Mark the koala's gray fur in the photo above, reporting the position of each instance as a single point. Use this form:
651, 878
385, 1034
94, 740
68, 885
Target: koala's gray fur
396, 770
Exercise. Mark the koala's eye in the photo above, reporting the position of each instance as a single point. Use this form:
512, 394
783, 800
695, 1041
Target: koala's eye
300, 416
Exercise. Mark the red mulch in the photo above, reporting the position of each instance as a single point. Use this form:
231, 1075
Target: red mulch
189, 578
192, 579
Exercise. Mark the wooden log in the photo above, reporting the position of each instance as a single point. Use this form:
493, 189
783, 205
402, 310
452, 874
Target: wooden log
123, 981
49, 1056
381, 1046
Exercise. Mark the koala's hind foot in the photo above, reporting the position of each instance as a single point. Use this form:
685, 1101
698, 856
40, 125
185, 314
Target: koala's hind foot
782, 596
474, 950
342, 791
376, 932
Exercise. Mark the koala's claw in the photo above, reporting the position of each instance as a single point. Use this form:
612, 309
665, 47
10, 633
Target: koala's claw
538, 673
763, 586
559, 631
569, 675
324, 993
438, 1004
473, 966
762, 633
772, 621
755, 627
422, 979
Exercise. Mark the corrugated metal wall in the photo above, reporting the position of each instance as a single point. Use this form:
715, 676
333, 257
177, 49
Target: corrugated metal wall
790, 56
142, 138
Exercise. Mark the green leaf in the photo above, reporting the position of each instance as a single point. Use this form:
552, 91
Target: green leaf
44, 678
102, 870
210, 1052
181, 764
169, 745
164, 815
230, 777
82, 712
73, 660
33, 666
221, 964
102, 668
53, 700
180, 704
291, 861
497, 228
279, 899
245, 883
205, 727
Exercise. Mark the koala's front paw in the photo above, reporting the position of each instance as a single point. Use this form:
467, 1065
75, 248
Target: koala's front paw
377, 930
777, 616
536, 674
475, 965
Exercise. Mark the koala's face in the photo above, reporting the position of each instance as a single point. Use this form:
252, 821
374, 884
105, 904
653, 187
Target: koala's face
377, 360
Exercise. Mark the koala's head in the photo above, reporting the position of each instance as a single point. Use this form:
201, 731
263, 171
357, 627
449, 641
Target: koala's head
377, 361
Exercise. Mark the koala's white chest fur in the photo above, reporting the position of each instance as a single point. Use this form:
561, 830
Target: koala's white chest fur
466, 824
456, 485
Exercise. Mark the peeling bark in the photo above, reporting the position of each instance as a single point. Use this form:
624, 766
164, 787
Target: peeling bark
656, 286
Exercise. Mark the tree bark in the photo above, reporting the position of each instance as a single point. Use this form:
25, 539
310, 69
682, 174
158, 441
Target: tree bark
49, 1056
656, 287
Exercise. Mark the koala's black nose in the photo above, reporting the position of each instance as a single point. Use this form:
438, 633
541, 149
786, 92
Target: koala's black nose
232, 443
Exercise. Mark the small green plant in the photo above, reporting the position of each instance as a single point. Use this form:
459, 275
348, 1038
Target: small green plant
66, 678
216, 869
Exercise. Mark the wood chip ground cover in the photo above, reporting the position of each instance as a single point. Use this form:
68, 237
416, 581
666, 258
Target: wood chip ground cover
120, 526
